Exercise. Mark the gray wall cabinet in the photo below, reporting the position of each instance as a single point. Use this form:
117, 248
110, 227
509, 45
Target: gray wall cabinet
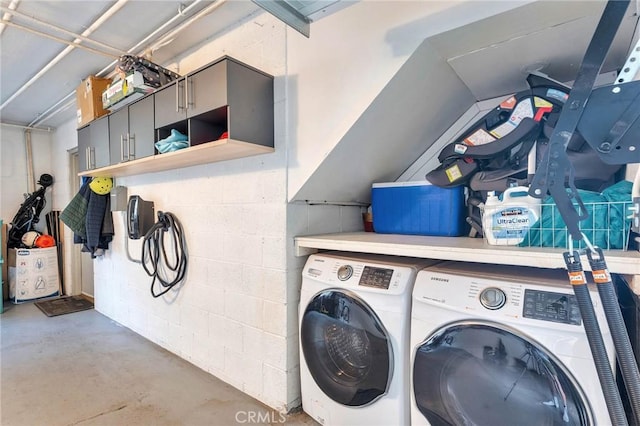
169, 104
93, 145
131, 131
224, 96
224, 108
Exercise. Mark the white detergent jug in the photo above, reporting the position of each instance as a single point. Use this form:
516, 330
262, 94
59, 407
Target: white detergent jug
507, 221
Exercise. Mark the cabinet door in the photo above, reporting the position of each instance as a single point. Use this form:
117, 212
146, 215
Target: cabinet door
141, 128
118, 129
84, 142
207, 89
99, 143
250, 99
169, 104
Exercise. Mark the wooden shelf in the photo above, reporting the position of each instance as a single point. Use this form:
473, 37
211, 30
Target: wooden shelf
457, 248
210, 152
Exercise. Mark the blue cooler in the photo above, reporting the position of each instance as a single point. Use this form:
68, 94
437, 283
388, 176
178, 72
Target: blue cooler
418, 208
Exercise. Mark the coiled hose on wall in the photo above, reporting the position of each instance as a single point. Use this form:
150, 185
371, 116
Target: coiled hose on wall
626, 359
594, 336
156, 262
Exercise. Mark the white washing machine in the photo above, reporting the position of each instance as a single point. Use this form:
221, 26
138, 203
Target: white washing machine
354, 338
498, 345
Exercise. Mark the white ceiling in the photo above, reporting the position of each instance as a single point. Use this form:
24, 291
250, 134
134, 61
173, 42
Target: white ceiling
40, 67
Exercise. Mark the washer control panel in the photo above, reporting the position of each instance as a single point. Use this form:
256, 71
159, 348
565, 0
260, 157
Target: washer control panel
501, 298
550, 306
376, 277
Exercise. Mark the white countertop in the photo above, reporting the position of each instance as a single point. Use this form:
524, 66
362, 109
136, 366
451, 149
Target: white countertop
458, 248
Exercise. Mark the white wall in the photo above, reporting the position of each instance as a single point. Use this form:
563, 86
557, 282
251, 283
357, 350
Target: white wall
13, 171
336, 73
64, 140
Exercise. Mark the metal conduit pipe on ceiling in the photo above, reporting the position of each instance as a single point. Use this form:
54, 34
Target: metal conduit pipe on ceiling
48, 25
164, 39
52, 111
58, 39
12, 6
112, 10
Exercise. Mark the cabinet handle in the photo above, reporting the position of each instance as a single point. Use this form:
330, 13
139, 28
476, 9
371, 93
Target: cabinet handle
186, 94
121, 148
177, 97
86, 158
178, 106
92, 158
131, 155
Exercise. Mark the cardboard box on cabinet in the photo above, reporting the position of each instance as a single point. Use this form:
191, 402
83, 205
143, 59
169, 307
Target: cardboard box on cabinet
89, 99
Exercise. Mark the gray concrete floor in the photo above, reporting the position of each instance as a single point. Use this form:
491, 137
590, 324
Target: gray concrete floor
84, 369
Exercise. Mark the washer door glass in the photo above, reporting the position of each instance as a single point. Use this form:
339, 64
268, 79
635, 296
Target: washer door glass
346, 348
482, 374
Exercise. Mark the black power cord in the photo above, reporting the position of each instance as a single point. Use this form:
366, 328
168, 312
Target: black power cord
154, 254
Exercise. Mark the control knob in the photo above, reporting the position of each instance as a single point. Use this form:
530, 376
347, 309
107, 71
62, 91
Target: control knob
493, 298
345, 272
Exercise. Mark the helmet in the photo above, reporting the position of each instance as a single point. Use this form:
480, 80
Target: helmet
44, 241
45, 180
101, 185
29, 238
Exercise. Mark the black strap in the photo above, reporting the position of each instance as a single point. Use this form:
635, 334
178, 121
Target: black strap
555, 165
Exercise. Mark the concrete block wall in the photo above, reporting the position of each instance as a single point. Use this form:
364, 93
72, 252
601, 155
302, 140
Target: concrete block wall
235, 316
230, 315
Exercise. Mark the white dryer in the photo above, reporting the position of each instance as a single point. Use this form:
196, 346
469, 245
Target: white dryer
354, 338
498, 345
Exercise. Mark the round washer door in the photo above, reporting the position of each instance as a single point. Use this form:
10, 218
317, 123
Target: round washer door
347, 349
481, 373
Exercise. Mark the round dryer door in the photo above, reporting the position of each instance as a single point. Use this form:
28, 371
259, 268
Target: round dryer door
346, 348
477, 373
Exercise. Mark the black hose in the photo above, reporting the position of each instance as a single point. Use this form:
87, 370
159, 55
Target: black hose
626, 358
153, 247
596, 342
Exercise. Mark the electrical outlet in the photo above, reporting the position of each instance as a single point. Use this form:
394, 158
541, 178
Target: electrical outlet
119, 199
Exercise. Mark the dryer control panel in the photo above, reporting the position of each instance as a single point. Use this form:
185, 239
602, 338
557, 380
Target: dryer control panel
379, 277
362, 275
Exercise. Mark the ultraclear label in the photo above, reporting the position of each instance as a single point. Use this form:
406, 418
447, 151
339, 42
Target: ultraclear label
511, 223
